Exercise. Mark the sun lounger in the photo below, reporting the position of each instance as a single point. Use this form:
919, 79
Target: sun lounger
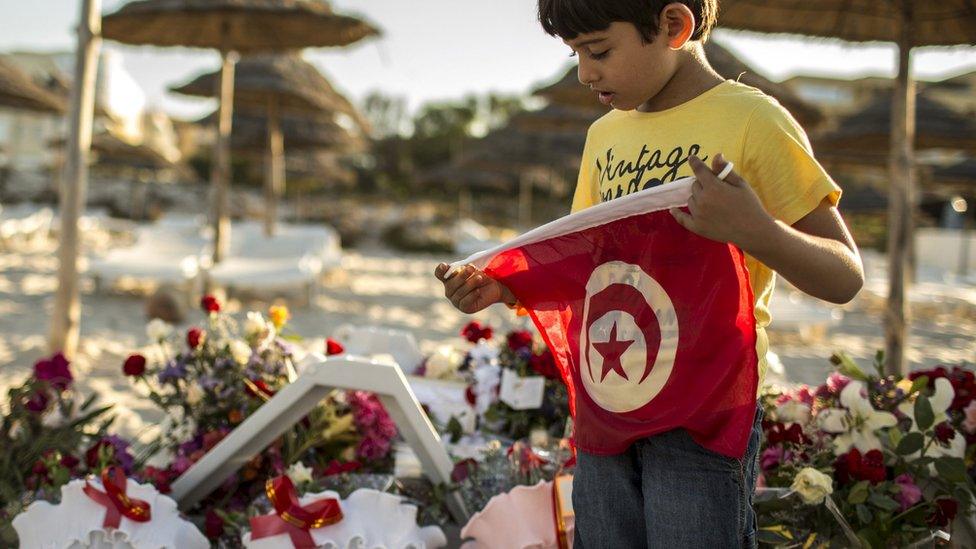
292, 259
159, 255
371, 340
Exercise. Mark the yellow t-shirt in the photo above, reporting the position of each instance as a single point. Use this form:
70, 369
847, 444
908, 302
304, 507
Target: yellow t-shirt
627, 151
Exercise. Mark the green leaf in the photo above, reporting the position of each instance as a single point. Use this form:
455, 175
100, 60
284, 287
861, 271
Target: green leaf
920, 383
882, 501
894, 437
951, 468
859, 493
864, 514
910, 443
924, 416
848, 367
455, 429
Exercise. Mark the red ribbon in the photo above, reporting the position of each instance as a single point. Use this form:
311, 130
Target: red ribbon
290, 517
115, 500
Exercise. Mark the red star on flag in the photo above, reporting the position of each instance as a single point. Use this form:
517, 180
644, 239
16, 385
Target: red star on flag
612, 350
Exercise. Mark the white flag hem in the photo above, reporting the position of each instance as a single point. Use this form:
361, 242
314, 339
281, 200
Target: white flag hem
662, 197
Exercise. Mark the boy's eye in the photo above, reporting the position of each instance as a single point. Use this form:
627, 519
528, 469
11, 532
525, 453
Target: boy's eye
600, 55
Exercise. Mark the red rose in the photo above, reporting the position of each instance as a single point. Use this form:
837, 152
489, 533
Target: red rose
853, 466
545, 365
194, 337
463, 469
778, 433
470, 396
333, 347
135, 365
160, 478
475, 332
210, 304
945, 512
520, 339
944, 432
213, 525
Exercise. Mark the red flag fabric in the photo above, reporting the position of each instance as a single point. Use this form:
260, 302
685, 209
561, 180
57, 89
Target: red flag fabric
652, 325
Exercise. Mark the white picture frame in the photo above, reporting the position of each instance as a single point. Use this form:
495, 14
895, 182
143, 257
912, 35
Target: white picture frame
297, 399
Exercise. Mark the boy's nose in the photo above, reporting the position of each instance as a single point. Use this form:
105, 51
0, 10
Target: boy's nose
586, 75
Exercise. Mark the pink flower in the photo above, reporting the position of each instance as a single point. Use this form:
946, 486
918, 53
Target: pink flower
774, 456
908, 494
969, 424
836, 382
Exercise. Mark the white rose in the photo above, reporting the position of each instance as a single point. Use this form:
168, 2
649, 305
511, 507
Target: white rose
793, 411
158, 330
812, 485
258, 330
443, 363
240, 351
299, 473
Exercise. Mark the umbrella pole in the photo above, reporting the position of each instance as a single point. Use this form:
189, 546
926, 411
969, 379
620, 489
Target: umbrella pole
900, 205
67, 307
274, 178
221, 173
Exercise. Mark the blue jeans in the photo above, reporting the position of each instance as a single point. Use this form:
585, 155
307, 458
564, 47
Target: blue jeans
667, 491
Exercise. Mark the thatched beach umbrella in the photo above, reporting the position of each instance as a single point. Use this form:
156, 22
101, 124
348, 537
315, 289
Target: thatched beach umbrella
298, 133
276, 83
232, 26
909, 24
937, 126
18, 91
568, 91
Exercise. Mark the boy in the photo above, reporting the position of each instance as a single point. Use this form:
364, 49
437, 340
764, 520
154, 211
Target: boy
672, 113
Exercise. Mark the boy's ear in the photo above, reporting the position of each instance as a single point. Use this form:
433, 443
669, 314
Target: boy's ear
678, 24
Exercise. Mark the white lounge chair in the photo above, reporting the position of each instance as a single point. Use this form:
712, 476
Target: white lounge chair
371, 340
159, 255
293, 258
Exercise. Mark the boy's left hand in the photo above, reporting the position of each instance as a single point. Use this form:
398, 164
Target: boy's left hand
725, 211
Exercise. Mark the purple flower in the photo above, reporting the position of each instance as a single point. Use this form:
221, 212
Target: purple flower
55, 371
180, 465
174, 370
208, 383
908, 494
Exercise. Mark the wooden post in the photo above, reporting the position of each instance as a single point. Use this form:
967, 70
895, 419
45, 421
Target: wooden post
67, 307
220, 173
274, 174
901, 167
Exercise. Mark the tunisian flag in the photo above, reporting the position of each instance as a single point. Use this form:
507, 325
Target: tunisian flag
652, 325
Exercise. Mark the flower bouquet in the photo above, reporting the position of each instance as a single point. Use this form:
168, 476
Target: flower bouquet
211, 378
874, 460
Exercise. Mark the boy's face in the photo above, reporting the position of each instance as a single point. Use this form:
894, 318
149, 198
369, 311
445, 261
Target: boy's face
622, 68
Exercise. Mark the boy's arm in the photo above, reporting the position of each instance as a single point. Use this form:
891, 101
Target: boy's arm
816, 254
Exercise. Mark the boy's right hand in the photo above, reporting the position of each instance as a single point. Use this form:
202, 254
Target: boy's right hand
471, 290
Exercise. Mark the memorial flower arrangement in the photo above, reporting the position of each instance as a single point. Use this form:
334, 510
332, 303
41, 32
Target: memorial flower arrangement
210, 378
870, 459
514, 384
48, 435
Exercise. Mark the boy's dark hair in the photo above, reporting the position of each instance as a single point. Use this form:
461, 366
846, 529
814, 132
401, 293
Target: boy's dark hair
570, 18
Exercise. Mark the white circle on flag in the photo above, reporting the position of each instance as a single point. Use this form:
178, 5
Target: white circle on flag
616, 351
